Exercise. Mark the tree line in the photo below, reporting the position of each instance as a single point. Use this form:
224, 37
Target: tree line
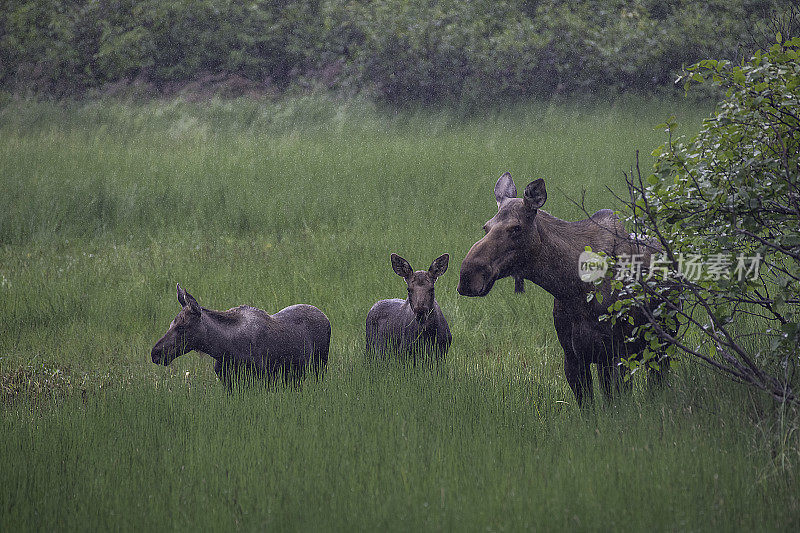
396, 51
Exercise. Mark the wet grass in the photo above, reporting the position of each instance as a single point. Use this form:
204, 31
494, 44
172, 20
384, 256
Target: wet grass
386, 448
107, 206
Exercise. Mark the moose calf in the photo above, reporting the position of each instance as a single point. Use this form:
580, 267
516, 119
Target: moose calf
413, 326
248, 339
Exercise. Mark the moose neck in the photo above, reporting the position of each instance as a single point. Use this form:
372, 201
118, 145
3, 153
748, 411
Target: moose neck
218, 337
554, 259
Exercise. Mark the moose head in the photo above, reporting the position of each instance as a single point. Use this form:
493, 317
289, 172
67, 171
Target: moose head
511, 239
181, 336
420, 283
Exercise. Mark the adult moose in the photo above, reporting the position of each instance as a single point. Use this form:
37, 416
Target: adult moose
248, 339
414, 325
526, 242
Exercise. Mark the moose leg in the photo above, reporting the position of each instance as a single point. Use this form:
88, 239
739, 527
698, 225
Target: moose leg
218, 368
579, 377
608, 371
519, 285
377, 342
319, 361
223, 372
576, 369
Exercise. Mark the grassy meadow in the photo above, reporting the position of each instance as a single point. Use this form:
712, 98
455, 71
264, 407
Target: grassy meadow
105, 206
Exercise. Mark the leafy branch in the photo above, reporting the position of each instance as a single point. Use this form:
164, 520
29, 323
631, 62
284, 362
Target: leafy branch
730, 190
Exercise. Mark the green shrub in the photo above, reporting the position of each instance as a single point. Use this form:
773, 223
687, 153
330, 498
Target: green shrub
730, 197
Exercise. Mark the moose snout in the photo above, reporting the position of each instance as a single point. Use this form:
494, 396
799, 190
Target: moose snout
156, 355
475, 279
160, 354
422, 310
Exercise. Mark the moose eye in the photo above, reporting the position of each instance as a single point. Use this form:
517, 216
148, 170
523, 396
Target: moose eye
515, 229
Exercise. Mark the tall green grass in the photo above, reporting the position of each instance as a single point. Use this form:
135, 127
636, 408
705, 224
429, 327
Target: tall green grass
107, 206
283, 169
382, 447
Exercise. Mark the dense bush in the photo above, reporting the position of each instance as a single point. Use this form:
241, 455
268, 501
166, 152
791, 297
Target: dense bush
396, 50
725, 207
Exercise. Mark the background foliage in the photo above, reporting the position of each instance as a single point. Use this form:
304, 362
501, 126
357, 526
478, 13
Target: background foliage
400, 51
730, 192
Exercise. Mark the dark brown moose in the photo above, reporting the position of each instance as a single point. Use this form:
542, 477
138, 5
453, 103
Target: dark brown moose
414, 326
247, 340
525, 242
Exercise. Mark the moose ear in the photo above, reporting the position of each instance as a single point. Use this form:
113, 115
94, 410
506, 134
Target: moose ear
535, 195
194, 307
187, 300
401, 266
181, 296
439, 265
504, 188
